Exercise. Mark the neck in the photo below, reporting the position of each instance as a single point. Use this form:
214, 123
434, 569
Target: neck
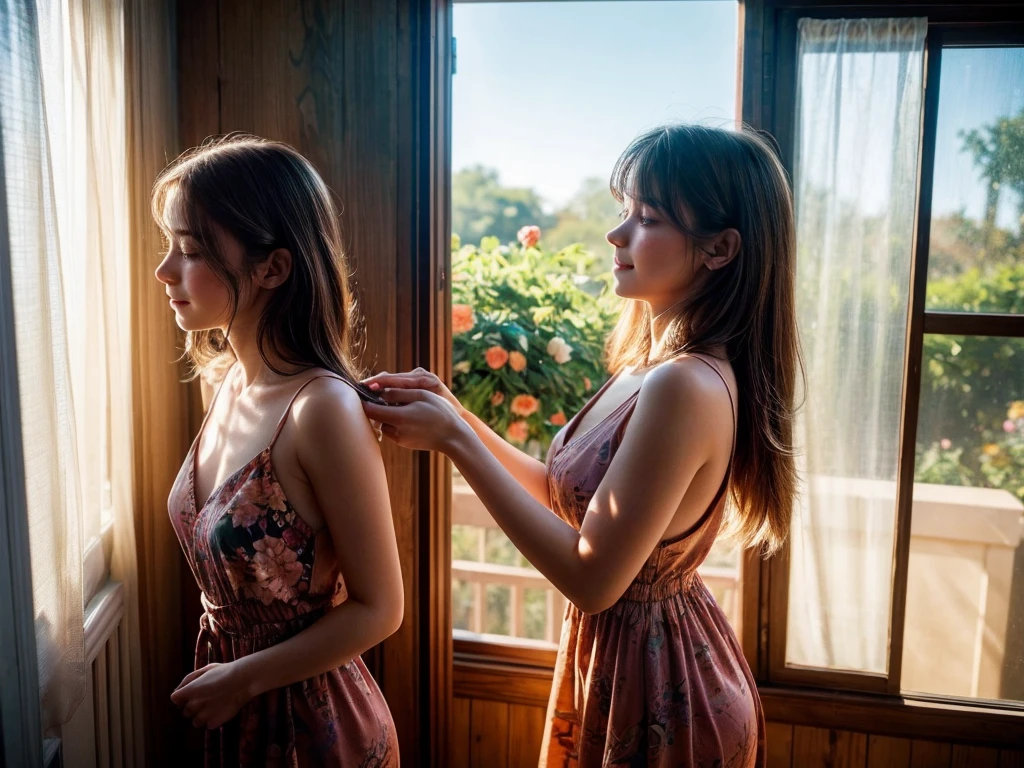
255, 370
661, 318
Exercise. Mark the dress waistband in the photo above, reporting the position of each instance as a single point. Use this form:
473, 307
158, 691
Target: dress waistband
255, 621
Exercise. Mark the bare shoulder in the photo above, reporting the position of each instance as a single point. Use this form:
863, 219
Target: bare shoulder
685, 382
329, 409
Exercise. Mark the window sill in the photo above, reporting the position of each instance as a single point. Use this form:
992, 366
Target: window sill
102, 616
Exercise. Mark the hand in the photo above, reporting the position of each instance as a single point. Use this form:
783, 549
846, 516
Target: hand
417, 379
417, 419
212, 695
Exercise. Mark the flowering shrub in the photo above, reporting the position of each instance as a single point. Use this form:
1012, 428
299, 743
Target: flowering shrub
528, 334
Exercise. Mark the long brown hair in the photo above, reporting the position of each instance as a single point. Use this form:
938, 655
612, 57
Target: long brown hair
268, 196
705, 180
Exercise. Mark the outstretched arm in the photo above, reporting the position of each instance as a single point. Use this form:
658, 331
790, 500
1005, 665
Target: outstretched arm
674, 432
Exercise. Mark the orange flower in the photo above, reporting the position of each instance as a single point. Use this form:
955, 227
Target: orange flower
1016, 410
517, 361
528, 236
497, 398
524, 405
496, 357
587, 384
517, 432
558, 419
990, 449
462, 318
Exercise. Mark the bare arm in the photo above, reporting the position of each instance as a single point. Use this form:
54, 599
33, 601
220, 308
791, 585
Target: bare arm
531, 474
341, 457
673, 433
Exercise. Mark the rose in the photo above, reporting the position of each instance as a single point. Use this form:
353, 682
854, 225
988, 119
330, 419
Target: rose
517, 361
528, 236
946, 443
524, 405
462, 318
517, 432
558, 419
1009, 426
496, 357
559, 350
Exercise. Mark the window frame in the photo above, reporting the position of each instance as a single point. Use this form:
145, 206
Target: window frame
949, 25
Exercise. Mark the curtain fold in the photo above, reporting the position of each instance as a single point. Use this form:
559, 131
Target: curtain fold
859, 107
35, 176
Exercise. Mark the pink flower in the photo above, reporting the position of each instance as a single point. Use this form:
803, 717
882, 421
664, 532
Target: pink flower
558, 419
245, 514
524, 405
496, 357
517, 432
276, 570
462, 318
528, 236
517, 361
1009, 426
946, 443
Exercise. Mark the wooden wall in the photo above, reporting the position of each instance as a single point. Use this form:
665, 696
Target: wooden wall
348, 83
499, 713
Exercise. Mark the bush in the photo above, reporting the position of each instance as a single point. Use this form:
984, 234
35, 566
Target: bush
528, 327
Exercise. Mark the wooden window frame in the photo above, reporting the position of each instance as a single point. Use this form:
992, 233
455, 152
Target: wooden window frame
771, 32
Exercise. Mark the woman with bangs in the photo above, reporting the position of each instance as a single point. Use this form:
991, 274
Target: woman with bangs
282, 504
690, 438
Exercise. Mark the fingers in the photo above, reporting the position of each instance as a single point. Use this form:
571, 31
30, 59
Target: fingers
417, 379
403, 396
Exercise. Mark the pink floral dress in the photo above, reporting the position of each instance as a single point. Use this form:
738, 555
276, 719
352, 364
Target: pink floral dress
265, 576
659, 678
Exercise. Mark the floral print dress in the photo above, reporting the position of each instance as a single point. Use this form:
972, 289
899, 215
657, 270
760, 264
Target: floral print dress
265, 576
659, 678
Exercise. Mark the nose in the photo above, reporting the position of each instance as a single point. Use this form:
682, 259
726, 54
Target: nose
617, 236
165, 273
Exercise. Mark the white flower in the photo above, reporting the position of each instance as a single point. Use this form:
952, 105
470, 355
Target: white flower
462, 367
559, 350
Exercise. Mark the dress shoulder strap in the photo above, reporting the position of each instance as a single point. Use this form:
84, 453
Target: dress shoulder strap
284, 417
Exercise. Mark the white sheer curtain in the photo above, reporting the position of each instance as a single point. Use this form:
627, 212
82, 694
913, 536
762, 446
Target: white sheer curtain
858, 124
62, 115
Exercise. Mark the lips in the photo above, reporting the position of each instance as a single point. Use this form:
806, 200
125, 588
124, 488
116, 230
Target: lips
622, 264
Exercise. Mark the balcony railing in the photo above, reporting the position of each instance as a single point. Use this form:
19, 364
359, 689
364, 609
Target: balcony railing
467, 509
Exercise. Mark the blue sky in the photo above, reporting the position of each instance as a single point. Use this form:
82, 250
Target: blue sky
551, 93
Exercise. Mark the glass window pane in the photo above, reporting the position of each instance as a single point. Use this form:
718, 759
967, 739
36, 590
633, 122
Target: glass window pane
976, 253
540, 113
858, 126
964, 632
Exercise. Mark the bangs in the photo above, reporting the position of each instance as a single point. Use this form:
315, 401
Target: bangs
644, 173
197, 222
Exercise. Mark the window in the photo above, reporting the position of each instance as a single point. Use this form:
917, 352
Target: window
540, 114
904, 572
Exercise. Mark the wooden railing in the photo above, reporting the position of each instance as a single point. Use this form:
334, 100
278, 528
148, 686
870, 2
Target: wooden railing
468, 510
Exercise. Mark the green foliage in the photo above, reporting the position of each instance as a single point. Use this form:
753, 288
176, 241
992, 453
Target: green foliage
586, 219
481, 207
529, 329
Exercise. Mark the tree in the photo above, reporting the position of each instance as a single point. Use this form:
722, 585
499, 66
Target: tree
586, 219
998, 150
482, 207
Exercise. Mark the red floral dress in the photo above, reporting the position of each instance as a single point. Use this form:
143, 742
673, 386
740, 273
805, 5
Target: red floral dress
265, 575
659, 678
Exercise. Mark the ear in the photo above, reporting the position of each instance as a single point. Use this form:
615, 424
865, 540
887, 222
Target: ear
722, 249
275, 269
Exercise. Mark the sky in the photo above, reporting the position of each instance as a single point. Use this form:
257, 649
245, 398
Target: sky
550, 93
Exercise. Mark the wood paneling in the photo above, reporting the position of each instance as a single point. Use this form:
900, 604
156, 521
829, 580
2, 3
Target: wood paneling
459, 737
888, 752
488, 735
355, 86
492, 734
780, 745
525, 733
